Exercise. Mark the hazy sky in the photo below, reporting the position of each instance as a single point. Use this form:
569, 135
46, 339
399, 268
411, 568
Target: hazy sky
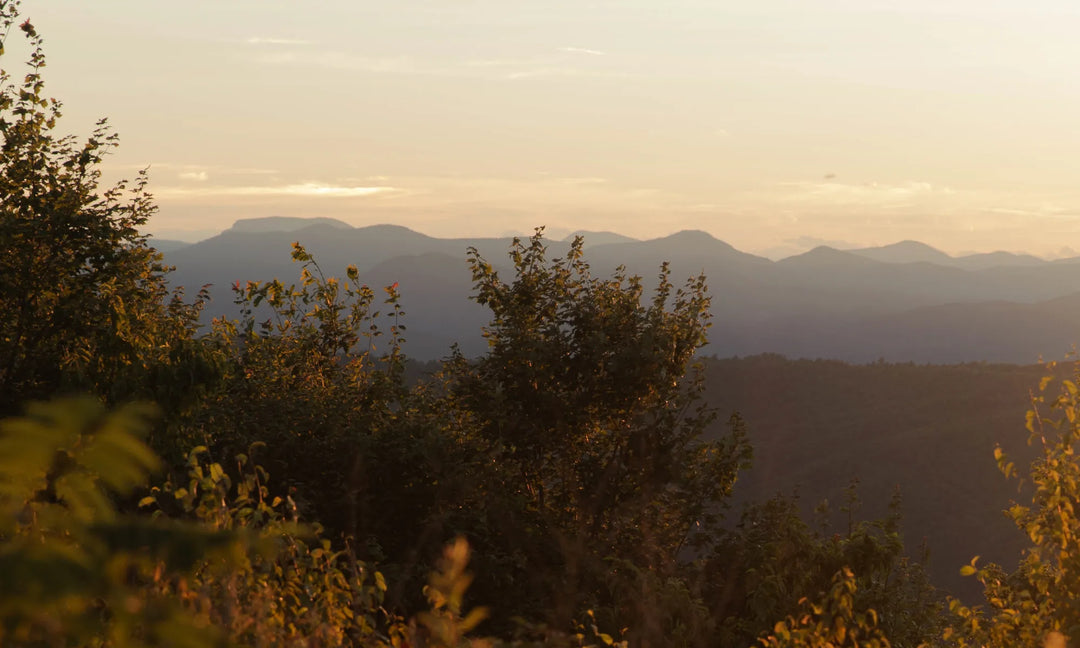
769, 123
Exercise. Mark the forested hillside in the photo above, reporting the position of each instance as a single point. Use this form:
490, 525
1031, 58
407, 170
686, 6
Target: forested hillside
280, 478
929, 430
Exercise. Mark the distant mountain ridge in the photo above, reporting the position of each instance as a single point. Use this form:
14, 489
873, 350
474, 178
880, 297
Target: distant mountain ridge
902, 302
284, 224
904, 252
167, 245
916, 252
600, 238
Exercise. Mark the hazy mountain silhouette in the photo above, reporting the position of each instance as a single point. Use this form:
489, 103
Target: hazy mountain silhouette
916, 252
905, 252
284, 224
904, 302
997, 260
435, 289
167, 245
600, 238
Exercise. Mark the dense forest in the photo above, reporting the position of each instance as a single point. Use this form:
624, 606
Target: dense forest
288, 477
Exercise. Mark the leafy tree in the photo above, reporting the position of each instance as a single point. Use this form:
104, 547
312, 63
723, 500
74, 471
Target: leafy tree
301, 372
833, 622
71, 566
760, 570
83, 300
1039, 602
587, 413
221, 562
607, 460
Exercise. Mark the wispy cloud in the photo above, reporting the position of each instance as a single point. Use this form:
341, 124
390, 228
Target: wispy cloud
263, 40
574, 180
336, 60
1042, 210
505, 62
316, 189
582, 50
197, 176
562, 71
190, 171
869, 193
306, 189
497, 68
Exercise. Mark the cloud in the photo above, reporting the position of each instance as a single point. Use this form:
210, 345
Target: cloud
582, 50
555, 71
191, 171
1048, 210
197, 176
582, 180
505, 62
336, 60
260, 40
869, 193
306, 189
317, 189
507, 69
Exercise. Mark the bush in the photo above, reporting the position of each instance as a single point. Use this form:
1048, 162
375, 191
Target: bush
83, 300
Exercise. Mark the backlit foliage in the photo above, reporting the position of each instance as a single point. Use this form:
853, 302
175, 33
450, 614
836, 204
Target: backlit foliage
831, 623
1040, 601
588, 406
83, 300
71, 566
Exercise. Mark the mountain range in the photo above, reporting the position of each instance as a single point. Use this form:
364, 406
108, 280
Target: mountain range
900, 302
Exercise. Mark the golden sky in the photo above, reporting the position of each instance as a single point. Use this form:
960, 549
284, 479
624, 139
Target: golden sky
770, 124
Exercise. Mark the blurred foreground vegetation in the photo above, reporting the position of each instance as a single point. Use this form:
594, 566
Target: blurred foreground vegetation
275, 480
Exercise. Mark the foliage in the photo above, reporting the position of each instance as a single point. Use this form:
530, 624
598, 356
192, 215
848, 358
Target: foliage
221, 562
587, 412
761, 569
633, 483
237, 571
289, 586
444, 624
831, 623
307, 381
83, 301
71, 566
1040, 601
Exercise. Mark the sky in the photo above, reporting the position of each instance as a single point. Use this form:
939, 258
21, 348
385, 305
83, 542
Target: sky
774, 125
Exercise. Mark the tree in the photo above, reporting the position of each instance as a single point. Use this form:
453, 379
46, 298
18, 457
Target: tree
832, 622
1039, 602
300, 372
760, 570
587, 411
220, 562
73, 569
83, 299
